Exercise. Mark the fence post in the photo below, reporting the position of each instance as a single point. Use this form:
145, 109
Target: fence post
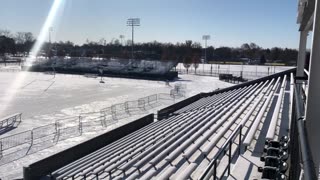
126, 107
1, 153
57, 130
113, 112
31, 137
102, 118
144, 104
80, 125
14, 120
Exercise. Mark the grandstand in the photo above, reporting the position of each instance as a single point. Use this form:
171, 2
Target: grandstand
267, 128
146, 69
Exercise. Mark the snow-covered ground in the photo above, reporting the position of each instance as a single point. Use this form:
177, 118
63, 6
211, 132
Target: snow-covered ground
44, 98
248, 71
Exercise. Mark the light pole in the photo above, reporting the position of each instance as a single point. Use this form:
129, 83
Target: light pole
133, 22
205, 38
50, 31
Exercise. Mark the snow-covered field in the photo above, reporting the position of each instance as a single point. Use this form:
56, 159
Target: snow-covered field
43, 99
248, 71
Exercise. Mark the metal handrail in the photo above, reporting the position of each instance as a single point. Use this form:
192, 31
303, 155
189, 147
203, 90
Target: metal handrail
211, 170
308, 164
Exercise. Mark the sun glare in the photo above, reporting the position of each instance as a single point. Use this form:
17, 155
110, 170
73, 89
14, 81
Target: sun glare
19, 80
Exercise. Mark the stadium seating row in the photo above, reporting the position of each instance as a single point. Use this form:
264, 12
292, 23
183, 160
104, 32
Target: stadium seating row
182, 145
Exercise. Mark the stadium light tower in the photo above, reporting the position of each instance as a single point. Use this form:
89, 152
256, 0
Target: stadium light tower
205, 38
133, 22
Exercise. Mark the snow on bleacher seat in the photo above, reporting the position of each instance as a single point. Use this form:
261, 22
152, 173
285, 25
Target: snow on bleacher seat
257, 120
180, 146
275, 116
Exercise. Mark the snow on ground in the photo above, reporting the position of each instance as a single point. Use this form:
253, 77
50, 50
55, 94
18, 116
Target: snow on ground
248, 71
44, 98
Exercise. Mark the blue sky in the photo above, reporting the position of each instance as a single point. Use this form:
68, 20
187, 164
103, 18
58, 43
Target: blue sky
268, 23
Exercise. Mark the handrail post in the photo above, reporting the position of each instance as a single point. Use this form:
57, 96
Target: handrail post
223, 151
240, 139
215, 170
229, 167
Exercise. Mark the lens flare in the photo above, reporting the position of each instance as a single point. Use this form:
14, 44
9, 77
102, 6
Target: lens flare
19, 80
45, 29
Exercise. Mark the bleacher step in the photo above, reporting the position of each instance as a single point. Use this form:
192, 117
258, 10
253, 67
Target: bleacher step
246, 167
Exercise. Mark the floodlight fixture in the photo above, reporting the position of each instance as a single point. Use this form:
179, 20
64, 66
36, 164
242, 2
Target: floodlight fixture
205, 38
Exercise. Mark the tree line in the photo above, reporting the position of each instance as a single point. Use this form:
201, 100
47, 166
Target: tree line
189, 52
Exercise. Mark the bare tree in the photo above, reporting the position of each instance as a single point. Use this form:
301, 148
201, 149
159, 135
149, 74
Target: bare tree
102, 42
28, 37
19, 38
187, 63
5, 32
196, 62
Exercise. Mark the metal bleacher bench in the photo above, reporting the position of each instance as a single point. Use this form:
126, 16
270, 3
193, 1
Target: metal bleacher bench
10, 120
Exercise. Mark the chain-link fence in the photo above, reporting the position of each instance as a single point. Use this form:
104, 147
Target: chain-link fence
62, 129
248, 72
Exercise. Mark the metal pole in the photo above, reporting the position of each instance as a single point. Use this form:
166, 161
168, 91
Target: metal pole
205, 51
240, 140
31, 137
205, 55
215, 171
80, 126
205, 38
229, 168
132, 42
0, 148
49, 55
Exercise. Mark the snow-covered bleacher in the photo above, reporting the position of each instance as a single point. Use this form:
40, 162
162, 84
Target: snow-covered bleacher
186, 143
109, 66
